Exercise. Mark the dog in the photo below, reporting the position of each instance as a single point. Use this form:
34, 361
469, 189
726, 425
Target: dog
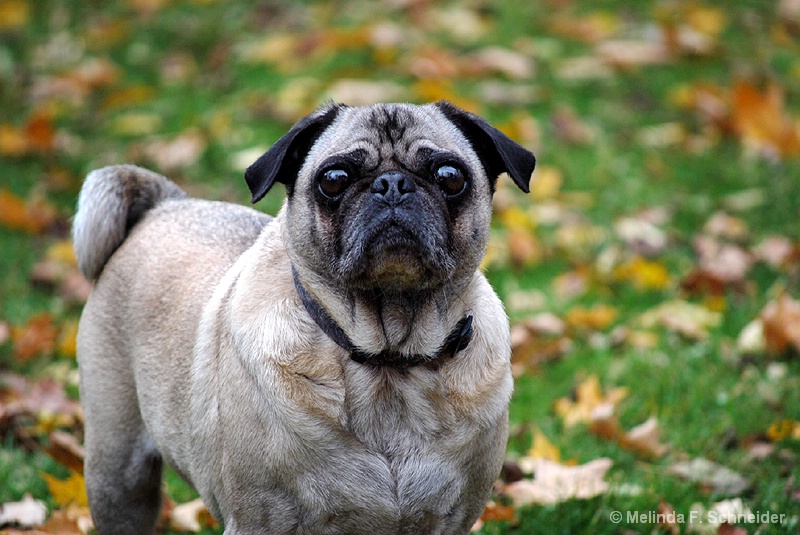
341, 368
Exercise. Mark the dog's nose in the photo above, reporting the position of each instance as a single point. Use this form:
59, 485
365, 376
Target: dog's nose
393, 187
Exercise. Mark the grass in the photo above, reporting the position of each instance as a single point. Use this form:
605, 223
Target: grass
710, 400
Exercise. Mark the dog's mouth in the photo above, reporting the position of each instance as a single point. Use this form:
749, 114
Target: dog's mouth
394, 253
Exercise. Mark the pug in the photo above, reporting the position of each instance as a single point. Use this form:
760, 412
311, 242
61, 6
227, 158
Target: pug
341, 368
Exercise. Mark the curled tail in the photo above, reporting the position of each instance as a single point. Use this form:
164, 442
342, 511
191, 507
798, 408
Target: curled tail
111, 201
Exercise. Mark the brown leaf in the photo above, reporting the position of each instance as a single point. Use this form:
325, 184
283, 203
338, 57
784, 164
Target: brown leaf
781, 320
645, 439
72, 520
66, 449
667, 518
530, 348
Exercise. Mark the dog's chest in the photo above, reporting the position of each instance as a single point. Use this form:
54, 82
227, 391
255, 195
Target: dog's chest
405, 416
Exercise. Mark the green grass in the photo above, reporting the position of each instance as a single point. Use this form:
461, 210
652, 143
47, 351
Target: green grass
710, 400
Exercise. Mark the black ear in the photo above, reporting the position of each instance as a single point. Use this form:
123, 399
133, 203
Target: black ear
283, 160
497, 152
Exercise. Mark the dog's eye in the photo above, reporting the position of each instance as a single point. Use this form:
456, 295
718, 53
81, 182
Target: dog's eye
451, 179
333, 182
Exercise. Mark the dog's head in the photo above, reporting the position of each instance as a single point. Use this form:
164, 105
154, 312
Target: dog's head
390, 197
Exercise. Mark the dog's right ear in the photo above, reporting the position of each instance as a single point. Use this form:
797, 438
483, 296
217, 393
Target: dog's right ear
283, 160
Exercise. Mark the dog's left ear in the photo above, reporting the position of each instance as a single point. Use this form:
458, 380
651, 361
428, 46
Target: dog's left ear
498, 153
283, 160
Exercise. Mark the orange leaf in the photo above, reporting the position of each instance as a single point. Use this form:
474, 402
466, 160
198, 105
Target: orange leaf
37, 337
760, 119
495, 512
33, 216
781, 320
40, 132
597, 318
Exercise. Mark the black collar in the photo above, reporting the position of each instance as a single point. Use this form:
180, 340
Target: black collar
458, 339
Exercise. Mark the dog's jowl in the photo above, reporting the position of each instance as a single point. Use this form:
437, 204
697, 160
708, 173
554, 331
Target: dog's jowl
341, 368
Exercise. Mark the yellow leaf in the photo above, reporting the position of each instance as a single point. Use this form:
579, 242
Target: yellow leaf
13, 141
643, 274
68, 339
68, 491
588, 396
542, 448
783, 429
597, 318
62, 252
13, 14
547, 183
708, 20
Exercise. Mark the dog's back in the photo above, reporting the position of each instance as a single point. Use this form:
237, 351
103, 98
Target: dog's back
155, 255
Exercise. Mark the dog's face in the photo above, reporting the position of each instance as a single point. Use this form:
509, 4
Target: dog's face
390, 197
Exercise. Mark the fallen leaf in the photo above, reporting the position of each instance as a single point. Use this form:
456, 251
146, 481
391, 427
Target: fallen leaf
781, 324
643, 237
494, 60
597, 318
645, 439
667, 519
687, 319
542, 448
776, 251
178, 153
643, 274
34, 215
783, 429
554, 483
751, 339
67, 491
72, 520
494, 512
365, 92
762, 122
66, 449
14, 14
723, 225
191, 516
37, 337
632, 53
26, 513
588, 396
569, 128
712, 477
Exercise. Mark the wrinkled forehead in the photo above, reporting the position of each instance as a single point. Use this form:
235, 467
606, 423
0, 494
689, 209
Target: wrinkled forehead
389, 132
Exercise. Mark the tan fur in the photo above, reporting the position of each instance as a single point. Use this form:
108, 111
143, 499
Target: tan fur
195, 350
